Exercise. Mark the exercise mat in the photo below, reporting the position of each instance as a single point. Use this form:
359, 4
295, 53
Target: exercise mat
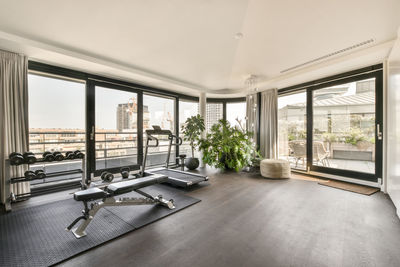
36, 236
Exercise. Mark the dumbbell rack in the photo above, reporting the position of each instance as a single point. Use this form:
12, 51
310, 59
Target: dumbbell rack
14, 180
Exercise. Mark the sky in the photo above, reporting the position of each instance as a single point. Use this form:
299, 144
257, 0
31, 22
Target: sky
56, 103
236, 110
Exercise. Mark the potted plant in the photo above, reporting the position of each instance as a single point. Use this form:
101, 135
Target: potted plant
227, 147
191, 132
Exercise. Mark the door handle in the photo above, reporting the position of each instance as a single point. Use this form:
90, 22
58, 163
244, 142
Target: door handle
92, 134
378, 132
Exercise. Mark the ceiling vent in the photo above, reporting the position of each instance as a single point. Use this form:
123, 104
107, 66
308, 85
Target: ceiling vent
329, 55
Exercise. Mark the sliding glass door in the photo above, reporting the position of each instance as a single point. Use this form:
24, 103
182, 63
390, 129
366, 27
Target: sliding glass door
292, 128
334, 127
346, 127
113, 116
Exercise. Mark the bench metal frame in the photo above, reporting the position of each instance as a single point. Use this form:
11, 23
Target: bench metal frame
89, 213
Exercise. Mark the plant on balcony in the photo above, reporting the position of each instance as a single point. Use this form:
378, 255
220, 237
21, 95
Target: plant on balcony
295, 134
329, 138
372, 140
227, 147
354, 136
191, 132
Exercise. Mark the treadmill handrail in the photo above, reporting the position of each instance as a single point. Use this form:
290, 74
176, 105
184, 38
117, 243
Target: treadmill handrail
178, 140
158, 132
152, 138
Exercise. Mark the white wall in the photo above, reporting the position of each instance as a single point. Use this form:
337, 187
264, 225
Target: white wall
393, 125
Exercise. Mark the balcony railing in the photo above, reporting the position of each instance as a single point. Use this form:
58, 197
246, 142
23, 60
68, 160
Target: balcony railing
113, 149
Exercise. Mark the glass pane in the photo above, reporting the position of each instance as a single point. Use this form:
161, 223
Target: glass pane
159, 111
116, 128
292, 126
56, 121
236, 113
214, 114
186, 109
344, 126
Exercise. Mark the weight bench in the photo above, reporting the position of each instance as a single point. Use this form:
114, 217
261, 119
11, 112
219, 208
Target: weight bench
108, 196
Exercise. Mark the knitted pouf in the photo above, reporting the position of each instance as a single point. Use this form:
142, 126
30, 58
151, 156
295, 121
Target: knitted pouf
275, 168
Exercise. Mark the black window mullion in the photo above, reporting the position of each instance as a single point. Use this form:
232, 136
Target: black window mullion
90, 126
224, 110
140, 127
379, 120
177, 128
309, 123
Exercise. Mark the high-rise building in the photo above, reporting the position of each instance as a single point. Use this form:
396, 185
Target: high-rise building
214, 114
127, 116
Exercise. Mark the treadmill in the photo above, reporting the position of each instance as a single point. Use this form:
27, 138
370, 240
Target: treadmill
175, 177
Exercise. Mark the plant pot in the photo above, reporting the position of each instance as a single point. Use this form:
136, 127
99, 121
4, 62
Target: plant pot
192, 163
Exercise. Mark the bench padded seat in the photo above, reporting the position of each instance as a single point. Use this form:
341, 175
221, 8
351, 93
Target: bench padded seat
118, 188
128, 186
90, 194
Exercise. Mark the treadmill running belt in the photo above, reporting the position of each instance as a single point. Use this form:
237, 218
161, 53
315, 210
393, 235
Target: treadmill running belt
178, 175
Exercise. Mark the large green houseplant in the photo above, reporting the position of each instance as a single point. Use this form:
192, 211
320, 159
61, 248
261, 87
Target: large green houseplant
191, 132
227, 147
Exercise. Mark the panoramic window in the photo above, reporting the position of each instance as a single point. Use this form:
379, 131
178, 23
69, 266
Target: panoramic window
116, 128
292, 127
159, 111
56, 120
187, 109
236, 114
214, 114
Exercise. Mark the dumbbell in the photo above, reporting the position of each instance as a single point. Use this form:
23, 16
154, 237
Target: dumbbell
48, 156
79, 154
70, 155
58, 156
30, 175
125, 172
38, 174
16, 158
107, 177
29, 158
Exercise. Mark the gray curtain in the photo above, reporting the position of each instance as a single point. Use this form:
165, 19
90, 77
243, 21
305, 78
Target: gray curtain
14, 117
269, 124
252, 115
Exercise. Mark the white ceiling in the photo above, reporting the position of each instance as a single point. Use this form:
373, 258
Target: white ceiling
189, 46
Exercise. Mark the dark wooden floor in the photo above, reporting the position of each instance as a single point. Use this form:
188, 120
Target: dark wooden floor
250, 221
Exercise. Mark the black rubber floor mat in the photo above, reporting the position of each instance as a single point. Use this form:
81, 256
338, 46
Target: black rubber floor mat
36, 236
139, 216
